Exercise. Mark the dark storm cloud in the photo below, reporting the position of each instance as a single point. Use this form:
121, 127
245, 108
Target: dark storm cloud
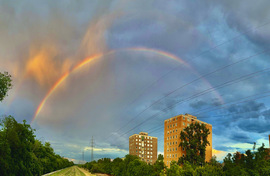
224, 148
246, 107
187, 29
266, 114
241, 137
245, 16
255, 125
166, 105
198, 104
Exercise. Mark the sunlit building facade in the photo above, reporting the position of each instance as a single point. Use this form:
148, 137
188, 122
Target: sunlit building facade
143, 146
172, 128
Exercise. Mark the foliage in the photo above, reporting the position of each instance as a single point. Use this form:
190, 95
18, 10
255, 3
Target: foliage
250, 163
131, 165
5, 84
194, 141
22, 154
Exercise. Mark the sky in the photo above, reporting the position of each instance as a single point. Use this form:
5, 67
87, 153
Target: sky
110, 69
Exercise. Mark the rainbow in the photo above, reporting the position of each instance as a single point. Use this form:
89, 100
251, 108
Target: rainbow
98, 56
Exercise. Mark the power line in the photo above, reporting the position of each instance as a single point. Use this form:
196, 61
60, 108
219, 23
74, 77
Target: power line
175, 68
203, 76
202, 93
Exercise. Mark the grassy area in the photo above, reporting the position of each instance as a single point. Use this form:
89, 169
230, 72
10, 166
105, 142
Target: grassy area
71, 171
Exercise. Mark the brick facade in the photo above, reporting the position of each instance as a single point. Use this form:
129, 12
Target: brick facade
172, 128
143, 146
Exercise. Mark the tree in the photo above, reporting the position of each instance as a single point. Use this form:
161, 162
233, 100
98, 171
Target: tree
5, 84
159, 165
194, 141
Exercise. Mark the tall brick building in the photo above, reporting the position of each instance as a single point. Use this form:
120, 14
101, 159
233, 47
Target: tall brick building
172, 128
143, 146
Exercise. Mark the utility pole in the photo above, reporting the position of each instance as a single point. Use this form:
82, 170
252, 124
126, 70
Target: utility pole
92, 149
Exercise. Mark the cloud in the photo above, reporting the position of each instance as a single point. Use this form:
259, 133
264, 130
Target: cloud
245, 18
249, 106
43, 66
40, 41
198, 104
254, 125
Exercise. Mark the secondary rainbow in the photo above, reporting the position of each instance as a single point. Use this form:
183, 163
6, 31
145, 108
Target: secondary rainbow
98, 56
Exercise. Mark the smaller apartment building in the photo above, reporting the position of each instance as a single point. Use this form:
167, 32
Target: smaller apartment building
143, 146
172, 129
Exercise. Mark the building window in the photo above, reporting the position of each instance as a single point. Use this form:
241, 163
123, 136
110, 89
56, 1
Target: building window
173, 131
183, 148
176, 124
176, 118
183, 118
173, 156
168, 126
188, 119
175, 148
184, 123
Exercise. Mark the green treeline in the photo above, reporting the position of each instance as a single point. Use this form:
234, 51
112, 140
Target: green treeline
251, 163
22, 154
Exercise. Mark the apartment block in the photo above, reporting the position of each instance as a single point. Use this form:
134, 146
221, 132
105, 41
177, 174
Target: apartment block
172, 128
143, 146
